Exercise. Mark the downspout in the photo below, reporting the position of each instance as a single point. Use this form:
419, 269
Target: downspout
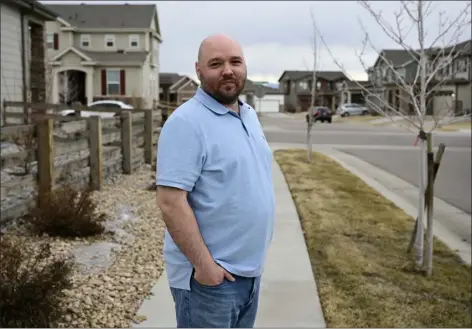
23, 68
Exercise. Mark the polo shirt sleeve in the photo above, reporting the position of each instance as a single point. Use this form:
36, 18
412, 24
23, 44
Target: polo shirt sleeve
180, 154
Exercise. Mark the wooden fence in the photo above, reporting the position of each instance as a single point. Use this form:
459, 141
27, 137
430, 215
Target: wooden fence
132, 134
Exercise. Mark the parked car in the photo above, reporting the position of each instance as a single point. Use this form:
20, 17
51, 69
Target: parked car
321, 113
100, 104
348, 109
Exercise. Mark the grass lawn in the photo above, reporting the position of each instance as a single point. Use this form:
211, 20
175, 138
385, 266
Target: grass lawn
457, 125
357, 243
355, 119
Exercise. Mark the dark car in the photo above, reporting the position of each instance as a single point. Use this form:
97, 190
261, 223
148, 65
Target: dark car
321, 113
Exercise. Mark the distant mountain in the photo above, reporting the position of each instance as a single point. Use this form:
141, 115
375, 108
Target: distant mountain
272, 85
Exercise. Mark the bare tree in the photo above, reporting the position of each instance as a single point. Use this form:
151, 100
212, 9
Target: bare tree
310, 113
432, 65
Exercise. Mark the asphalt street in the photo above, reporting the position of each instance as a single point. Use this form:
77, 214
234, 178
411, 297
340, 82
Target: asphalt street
388, 148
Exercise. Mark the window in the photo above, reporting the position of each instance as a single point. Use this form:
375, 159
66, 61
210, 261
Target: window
134, 41
109, 41
50, 40
461, 65
85, 40
318, 85
113, 82
303, 84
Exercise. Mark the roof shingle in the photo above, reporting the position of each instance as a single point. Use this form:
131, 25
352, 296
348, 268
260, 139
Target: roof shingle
106, 16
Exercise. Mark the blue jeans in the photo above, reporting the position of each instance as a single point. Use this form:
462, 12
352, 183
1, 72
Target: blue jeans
227, 305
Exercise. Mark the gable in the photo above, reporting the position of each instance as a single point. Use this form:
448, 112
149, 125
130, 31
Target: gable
72, 50
190, 85
155, 23
71, 59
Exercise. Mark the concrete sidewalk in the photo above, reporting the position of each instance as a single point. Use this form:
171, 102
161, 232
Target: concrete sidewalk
289, 296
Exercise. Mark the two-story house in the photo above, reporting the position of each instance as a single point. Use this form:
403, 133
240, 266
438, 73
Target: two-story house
104, 51
387, 92
22, 52
449, 91
453, 78
297, 85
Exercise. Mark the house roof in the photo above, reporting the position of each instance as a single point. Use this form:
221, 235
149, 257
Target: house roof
169, 78
326, 75
106, 16
397, 57
108, 56
250, 86
464, 47
36, 7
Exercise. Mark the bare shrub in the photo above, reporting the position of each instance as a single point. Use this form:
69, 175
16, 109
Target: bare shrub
68, 213
31, 285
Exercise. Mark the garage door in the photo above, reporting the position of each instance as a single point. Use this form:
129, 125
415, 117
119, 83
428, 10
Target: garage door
267, 105
442, 104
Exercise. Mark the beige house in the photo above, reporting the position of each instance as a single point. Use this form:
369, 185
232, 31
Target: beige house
100, 51
22, 54
175, 88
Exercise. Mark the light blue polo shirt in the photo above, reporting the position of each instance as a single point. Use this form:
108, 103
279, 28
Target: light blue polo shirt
225, 163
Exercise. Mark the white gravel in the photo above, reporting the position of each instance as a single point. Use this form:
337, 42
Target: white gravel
117, 270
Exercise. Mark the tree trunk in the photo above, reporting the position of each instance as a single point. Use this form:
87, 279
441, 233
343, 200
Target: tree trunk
419, 241
429, 228
437, 164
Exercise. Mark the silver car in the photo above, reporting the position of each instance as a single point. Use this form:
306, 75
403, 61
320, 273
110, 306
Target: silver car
348, 109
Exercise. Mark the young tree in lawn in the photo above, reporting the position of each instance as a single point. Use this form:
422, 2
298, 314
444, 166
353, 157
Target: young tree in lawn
433, 64
310, 112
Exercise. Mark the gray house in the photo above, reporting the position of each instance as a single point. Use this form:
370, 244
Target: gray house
449, 89
296, 87
104, 51
23, 50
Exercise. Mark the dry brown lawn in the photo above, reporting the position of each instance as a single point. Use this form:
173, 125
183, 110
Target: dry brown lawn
457, 125
357, 243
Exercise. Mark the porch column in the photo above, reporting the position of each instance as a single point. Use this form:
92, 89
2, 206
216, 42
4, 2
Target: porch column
333, 103
55, 87
349, 97
89, 86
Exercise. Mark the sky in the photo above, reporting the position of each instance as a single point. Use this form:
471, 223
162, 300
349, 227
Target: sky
278, 35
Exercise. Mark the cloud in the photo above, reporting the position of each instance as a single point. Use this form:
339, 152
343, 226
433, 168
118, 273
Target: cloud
277, 35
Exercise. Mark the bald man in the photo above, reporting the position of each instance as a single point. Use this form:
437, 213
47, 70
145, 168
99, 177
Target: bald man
215, 190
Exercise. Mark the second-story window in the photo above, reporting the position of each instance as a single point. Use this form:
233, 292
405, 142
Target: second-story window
318, 85
461, 65
134, 41
109, 41
85, 40
303, 84
50, 40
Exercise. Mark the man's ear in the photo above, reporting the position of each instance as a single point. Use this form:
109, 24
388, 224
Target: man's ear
197, 70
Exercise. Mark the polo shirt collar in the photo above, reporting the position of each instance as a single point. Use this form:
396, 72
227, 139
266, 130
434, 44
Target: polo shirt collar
211, 103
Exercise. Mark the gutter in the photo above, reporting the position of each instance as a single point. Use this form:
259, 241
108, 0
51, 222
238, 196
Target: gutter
35, 7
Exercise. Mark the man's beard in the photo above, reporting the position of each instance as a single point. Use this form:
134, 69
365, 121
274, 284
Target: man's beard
222, 98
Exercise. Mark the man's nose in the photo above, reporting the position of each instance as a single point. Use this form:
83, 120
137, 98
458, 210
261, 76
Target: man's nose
227, 69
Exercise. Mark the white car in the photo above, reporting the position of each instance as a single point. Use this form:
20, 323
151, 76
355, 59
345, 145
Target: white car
100, 104
348, 109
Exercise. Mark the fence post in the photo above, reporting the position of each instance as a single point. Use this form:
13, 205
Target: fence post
45, 158
4, 112
148, 135
126, 140
95, 144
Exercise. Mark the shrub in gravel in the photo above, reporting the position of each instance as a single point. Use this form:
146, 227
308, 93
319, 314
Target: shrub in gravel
31, 284
68, 213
